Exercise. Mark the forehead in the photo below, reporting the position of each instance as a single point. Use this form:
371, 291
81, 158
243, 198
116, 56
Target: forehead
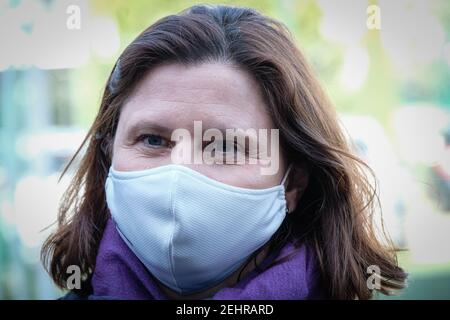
175, 95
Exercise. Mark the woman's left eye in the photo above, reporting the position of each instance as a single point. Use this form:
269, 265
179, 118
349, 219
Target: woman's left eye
229, 147
155, 141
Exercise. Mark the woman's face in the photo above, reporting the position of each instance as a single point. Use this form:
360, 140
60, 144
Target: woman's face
173, 96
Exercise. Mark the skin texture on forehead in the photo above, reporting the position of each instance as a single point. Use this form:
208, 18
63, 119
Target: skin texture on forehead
174, 96
209, 91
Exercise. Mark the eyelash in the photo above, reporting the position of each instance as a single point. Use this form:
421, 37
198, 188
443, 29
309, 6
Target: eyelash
234, 144
143, 137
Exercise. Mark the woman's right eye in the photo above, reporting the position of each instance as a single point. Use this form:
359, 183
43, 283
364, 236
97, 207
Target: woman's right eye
154, 141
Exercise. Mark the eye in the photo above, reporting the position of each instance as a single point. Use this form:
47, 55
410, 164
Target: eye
154, 141
229, 147
230, 153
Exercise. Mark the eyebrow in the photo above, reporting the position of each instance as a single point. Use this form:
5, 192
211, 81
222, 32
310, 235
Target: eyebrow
142, 126
139, 127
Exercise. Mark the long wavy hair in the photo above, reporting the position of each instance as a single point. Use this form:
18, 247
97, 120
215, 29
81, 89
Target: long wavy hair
335, 214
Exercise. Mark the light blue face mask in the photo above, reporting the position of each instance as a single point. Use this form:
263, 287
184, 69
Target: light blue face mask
190, 231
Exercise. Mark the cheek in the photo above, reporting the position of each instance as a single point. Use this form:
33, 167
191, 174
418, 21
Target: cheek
131, 159
267, 178
267, 181
244, 176
122, 159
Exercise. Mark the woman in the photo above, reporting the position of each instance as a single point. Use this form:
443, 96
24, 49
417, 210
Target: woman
140, 227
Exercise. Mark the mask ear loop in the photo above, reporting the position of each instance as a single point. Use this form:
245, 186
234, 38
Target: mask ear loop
286, 174
284, 180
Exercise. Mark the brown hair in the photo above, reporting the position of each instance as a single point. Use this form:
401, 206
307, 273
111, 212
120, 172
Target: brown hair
335, 213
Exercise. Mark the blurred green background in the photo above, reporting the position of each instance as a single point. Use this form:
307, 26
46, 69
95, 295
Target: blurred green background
390, 85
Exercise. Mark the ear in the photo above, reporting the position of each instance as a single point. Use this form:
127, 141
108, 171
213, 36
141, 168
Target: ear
296, 185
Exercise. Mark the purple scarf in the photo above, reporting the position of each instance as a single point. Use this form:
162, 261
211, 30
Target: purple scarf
119, 274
